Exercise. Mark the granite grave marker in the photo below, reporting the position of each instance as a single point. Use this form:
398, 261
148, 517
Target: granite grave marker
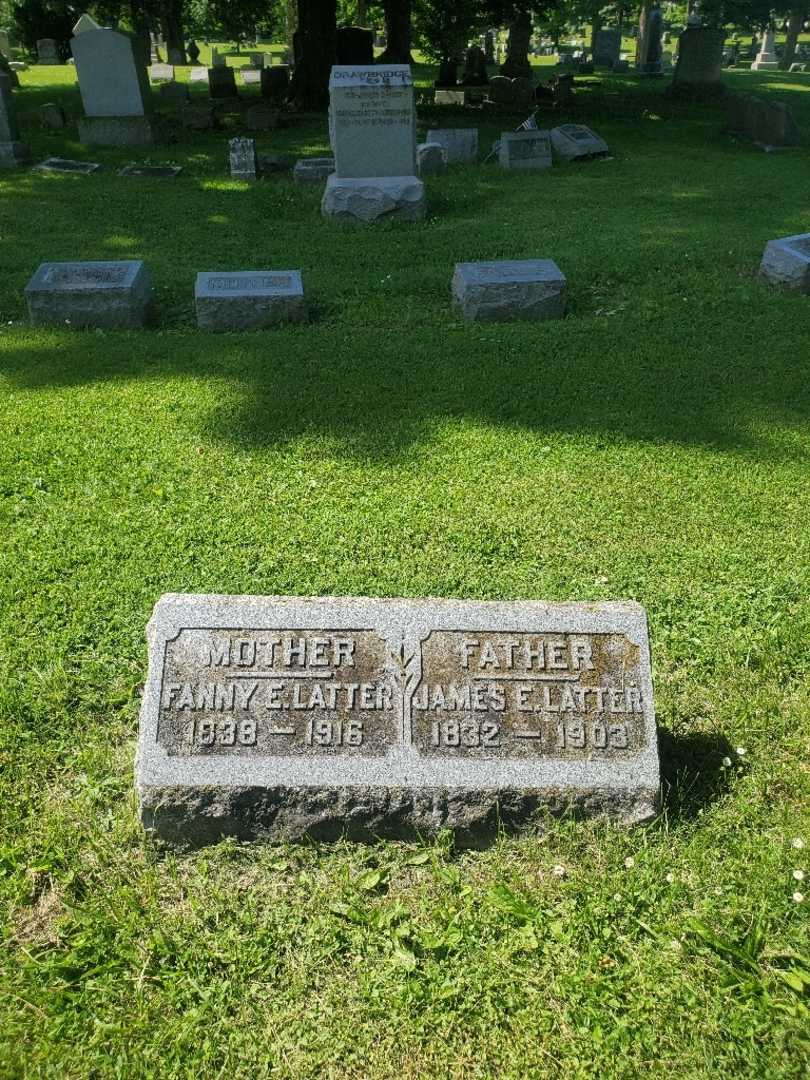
111, 295
249, 300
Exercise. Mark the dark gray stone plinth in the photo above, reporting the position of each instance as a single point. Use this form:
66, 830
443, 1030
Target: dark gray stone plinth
112, 295
503, 291
282, 717
374, 198
249, 300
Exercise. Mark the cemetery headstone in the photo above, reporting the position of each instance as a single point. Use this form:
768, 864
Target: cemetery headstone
501, 90
572, 141
48, 52
161, 73
85, 22
525, 150
767, 59
114, 89
250, 76
249, 300
67, 165
198, 75
698, 73
354, 46
768, 124
173, 93
607, 47
151, 172
282, 717
221, 82
475, 67
797, 67
508, 290
275, 83
218, 59
110, 295
449, 97
10, 71
372, 128
621, 67
786, 262
648, 55
52, 117
431, 159
313, 170
256, 59
175, 57
193, 52
460, 144
261, 117
13, 152
5, 46
517, 47
523, 90
242, 159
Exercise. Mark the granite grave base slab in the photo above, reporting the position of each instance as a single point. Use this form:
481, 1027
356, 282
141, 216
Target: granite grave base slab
313, 170
67, 165
111, 295
507, 290
284, 717
786, 262
152, 172
374, 198
249, 300
116, 131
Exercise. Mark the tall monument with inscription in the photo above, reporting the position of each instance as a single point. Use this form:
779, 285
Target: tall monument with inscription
285, 717
114, 86
372, 129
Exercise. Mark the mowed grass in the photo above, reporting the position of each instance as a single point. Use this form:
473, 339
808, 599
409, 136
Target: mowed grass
654, 445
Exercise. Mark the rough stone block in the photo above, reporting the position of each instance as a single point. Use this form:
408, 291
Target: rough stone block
313, 170
502, 291
279, 717
460, 144
431, 159
525, 150
374, 198
786, 262
116, 131
572, 141
112, 295
249, 300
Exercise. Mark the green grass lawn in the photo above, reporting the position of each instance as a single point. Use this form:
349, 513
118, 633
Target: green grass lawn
654, 446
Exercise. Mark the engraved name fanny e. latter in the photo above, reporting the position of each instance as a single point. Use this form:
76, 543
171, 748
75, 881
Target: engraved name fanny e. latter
281, 716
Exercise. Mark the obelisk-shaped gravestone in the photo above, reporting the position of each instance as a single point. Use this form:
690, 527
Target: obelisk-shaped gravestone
12, 151
766, 57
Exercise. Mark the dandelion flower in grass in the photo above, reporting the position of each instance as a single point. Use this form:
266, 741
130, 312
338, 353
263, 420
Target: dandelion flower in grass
798, 875
617, 896
675, 945
797, 843
558, 871
726, 762
629, 862
670, 878
798, 897
740, 751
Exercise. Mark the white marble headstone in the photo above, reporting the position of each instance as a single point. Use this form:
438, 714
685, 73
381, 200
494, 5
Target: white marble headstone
372, 120
111, 79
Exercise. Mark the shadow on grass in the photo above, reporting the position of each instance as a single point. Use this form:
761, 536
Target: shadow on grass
692, 773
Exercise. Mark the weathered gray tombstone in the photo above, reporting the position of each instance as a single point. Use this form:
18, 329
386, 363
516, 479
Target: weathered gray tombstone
175, 57
221, 82
572, 141
286, 717
501, 90
115, 89
250, 76
52, 116
460, 144
698, 73
110, 295
768, 124
431, 159
354, 46
372, 129
786, 262
161, 73
67, 165
10, 71
766, 60
13, 152
607, 47
275, 82
475, 67
173, 93
85, 22
242, 159
313, 170
648, 51
48, 52
449, 97
525, 150
256, 59
249, 300
508, 290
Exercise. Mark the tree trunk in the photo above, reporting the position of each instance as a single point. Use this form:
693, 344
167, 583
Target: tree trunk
362, 13
317, 29
641, 37
795, 23
173, 23
290, 22
398, 32
140, 26
596, 26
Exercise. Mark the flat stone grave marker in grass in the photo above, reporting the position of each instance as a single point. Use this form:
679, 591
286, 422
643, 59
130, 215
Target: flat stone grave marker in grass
250, 76
460, 144
525, 150
67, 165
113, 295
154, 172
507, 290
313, 170
786, 262
572, 141
282, 717
161, 73
249, 300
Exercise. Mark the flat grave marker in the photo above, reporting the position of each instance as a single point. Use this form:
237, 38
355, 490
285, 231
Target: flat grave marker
509, 289
111, 295
525, 150
572, 141
154, 172
249, 299
282, 716
67, 165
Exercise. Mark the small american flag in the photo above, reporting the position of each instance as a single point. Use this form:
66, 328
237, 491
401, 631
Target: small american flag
529, 124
